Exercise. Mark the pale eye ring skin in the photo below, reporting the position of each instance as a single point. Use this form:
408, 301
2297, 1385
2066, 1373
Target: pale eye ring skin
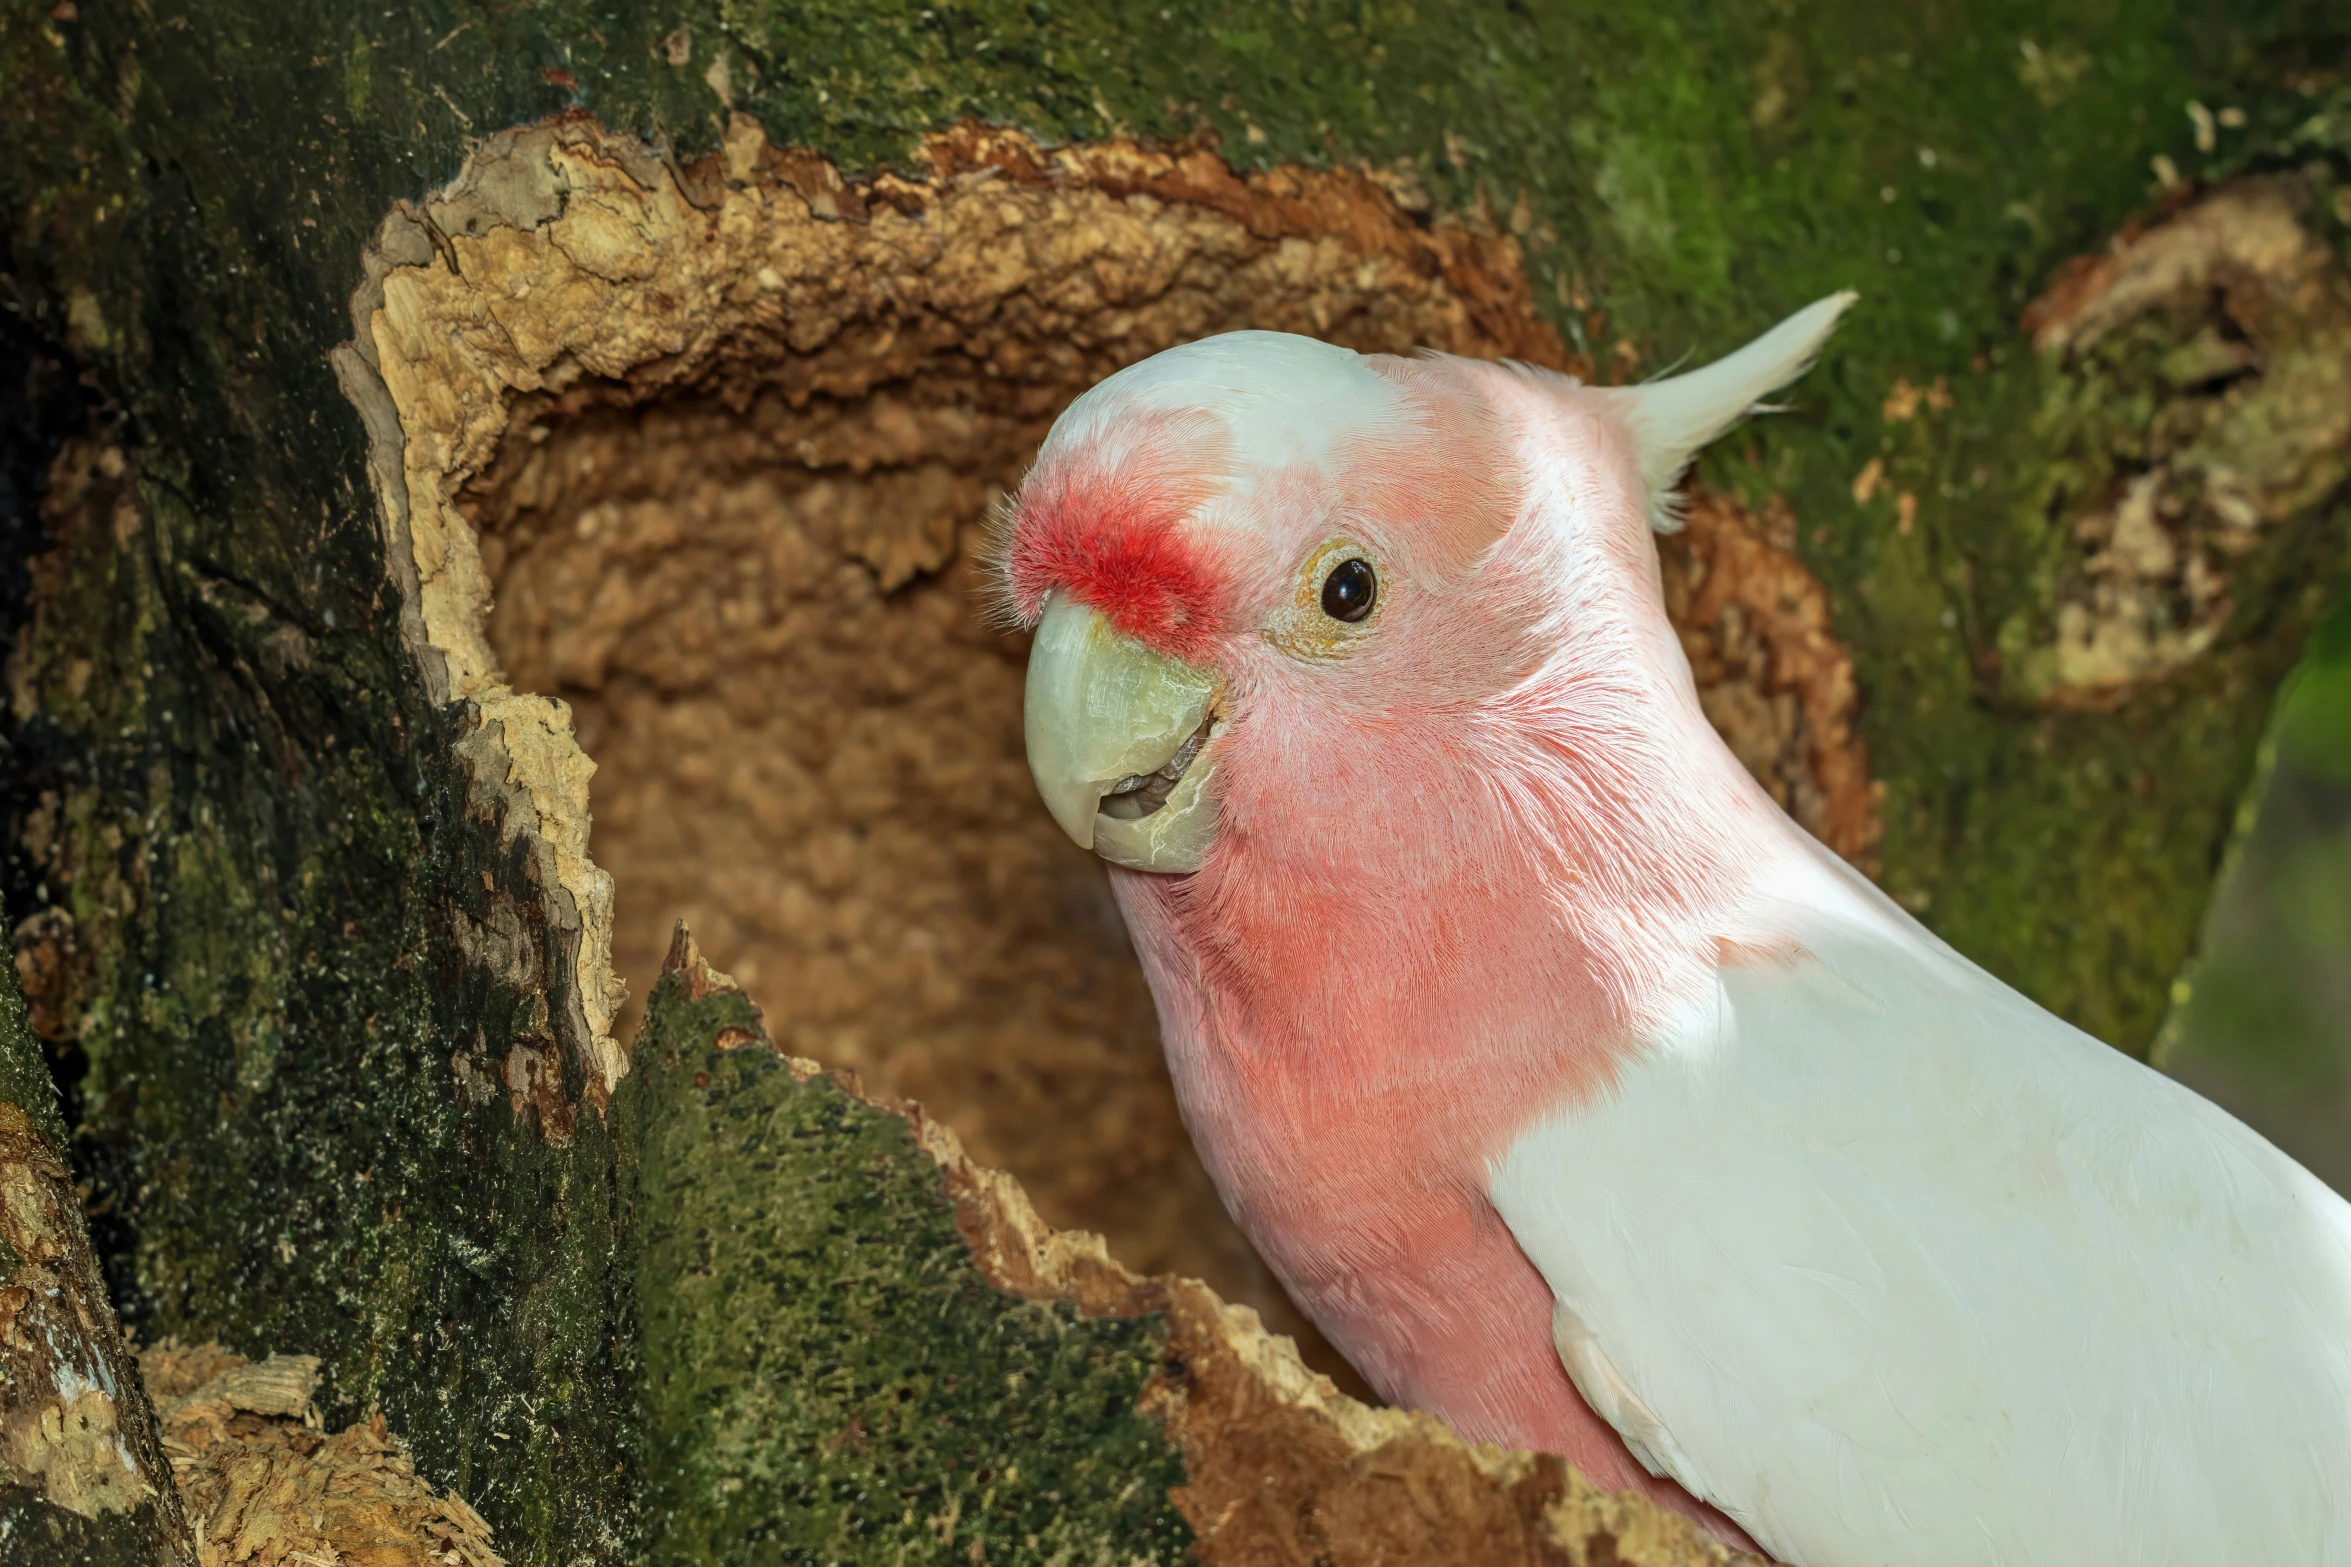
1336, 603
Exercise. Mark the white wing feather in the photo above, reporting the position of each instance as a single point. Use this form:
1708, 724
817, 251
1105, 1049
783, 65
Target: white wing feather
1896, 1268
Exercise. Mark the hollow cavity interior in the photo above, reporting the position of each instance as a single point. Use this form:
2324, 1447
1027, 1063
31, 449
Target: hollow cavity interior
766, 620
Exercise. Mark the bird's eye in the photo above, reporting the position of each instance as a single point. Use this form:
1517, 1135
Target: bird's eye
1350, 590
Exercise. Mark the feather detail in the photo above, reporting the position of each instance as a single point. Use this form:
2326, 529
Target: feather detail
1891, 1265
1106, 526
1672, 419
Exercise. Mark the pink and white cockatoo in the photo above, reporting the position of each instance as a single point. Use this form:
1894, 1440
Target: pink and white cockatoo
1576, 1093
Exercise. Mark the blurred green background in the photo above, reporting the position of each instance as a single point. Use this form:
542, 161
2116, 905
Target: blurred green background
2262, 1022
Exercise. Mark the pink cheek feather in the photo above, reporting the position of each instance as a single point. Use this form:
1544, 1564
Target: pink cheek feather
1359, 1010
1337, 1095
1335, 1134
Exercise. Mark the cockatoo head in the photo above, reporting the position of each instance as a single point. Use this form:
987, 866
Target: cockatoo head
1312, 607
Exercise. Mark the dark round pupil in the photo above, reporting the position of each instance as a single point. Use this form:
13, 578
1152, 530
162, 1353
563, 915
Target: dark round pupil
1347, 593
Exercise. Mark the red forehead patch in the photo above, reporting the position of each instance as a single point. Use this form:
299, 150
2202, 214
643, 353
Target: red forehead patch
1111, 535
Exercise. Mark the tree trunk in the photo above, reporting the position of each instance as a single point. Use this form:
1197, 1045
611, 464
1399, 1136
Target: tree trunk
411, 414
83, 1475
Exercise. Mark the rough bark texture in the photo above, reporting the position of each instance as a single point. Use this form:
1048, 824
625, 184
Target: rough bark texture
83, 1476
307, 362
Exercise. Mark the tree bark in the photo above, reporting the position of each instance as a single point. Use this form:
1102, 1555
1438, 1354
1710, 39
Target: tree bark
410, 415
83, 1475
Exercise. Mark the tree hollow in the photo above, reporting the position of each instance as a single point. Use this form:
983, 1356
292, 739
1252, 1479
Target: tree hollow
695, 469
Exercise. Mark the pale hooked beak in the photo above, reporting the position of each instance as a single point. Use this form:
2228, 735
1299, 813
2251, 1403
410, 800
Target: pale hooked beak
1114, 735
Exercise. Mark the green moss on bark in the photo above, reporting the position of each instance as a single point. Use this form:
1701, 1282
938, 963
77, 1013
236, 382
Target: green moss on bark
828, 1377
24, 1072
33, 1529
267, 856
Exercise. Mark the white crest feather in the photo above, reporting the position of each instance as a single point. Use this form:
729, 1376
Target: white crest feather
1672, 419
